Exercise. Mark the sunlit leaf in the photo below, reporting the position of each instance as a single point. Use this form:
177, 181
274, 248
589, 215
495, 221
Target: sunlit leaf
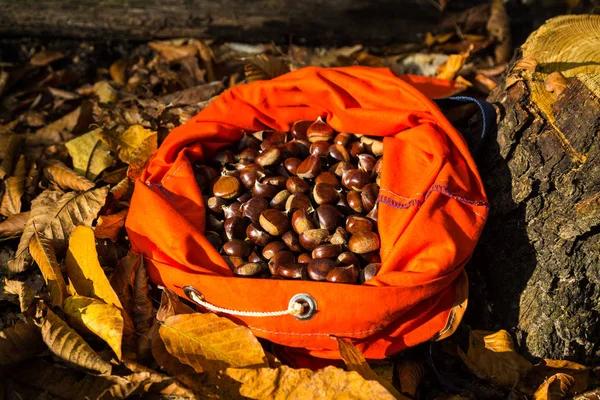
20, 342
410, 374
263, 67
42, 251
556, 83
62, 129
555, 388
65, 177
170, 304
104, 320
547, 368
14, 189
492, 356
14, 225
84, 270
591, 395
212, 343
105, 92
122, 188
26, 291
90, 155
65, 343
118, 71
154, 382
45, 57
135, 146
166, 360
109, 226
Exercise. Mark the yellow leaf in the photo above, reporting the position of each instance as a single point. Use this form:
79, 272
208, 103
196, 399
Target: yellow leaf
449, 70
287, 383
118, 71
65, 177
173, 50
547, 368
555, 388
14, 189
410, 373
262, 67
356, 362
65, 343
14, 224
104, 320
122, 188
43, 253
212, 343
84, 270
492, 356
20, 342
90, 155
70, 384
109, 226
135, 146
166, 360
170, 304
105, 92
45, 57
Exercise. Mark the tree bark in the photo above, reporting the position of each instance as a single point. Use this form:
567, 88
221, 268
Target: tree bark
537, 266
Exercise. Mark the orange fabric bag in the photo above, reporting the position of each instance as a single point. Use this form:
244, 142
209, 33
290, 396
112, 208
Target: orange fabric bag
432, 208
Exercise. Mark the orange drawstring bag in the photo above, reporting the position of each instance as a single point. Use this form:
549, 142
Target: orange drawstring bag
432, 208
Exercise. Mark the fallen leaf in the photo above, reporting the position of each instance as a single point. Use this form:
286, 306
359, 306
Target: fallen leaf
166, 360
287, 383
174, 50
498, 27
193, 95
556, 83
135, 146
170, 304
105, 92
155, 382
14, 224
104, 320
70, 384
430, 39
356, 362
547, 368
212, 343
122, 280
14, 190
90, 155
65, 177
62, 129
55, 215
45, 57
43, 253
526, 65
65, 343
122, 188
143, 312
492, 357
555, 388
450, 69
20, 342
118, 71
410, 374
23, 290
9, 147
84, 270
109, 226
368, 60
591, 395
263, 67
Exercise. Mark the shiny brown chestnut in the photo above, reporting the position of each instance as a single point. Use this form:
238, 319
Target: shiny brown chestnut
298, 201
264, 190
252, 173
324, 193
233, 210
216, 204
292, 271
356, 148
348, 258
355, 179
206, 174
278, 181
328, 177
238, 248
366, 162
255, 257
369, 196
319, 131
244, 197
281, 258
279, 200
254, 207
372, 215
357, 223
213, 223
226, 187
342, 139
337, 153
340, 168
364, 242
301, 221
299, 129
344, 274
354, 201
235, 228
340, 236
342, 205
327, 251
312, 238
327, 217
304, 258
291, 165
248, 155
273, 248
297, 185
369, 272
277, 137
214, 239
319, 268
224, 157
292, 241
373, 146
274, 222
370, 258
233, 262
250, 269
257, 235
309, 168
319, 149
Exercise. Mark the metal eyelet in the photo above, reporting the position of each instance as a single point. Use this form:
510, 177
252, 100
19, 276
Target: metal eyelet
309, 303
188, 290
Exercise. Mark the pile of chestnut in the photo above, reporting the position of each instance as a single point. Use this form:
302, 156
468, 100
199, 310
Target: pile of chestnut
299, 204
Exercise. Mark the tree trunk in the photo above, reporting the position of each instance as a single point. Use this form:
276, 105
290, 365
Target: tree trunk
537, 266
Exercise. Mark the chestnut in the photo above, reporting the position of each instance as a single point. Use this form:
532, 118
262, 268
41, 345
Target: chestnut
297, 185
369, 196
327, 217
319, 268
299, 129
309, 168
304, 258
294, 271
257, 235
372, 215
355, 179
290, 238
238, 248
340, 168
373, 146
254, 207
223, 157
214, 239
216, 204
298, 201
355, 149
369, 272
278, 181
255, 257
312, 238
291, 165
265, 190
342, 139
378, 166
274, 222
366, 162
340, 236
356, 223
250, 269
281, 258
273, 248
324, 193
233, 210
250, 174
206, 174
235, 228
346, 274
248, 155
319, 149
279, 200
233, 262
354, 201
319, 130
244, 197
348, 258
213, 223
364, 242
328, 177
226, 187
276, 137
370, 258
327, 251
301, 221
337, 153
342, 205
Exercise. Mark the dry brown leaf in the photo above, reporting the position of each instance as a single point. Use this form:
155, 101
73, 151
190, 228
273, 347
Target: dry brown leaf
135, 146
15, 188
498, 27
109, 226
20, 342
170, 304
43, 253
104, 320
143, 312
26, 291
555, 388
356, 362
287, 383
9, 147
115, 176
174, 50
368, 60
430, 39
154, 382
410, 374
14, 225
122, 280
70, 384
264, 67
450, 69
65, 177
62, 129
84, 270
90, 155
212, 343
45, 57
65, 343
591, 395
492, 357
122, 188
167, 361
105, 92
118, 71
556, 83
55, 215
547, 368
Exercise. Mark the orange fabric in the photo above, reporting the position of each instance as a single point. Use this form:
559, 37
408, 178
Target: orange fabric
432, 208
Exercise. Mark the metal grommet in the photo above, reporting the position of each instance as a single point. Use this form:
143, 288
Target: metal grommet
309, 303
187, 290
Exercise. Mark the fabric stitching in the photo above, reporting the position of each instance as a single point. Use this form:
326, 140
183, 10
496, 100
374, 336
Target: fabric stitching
315, 334
174, 172
434, 188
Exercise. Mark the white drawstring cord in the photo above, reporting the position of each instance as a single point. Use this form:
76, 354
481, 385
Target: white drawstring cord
295, 308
